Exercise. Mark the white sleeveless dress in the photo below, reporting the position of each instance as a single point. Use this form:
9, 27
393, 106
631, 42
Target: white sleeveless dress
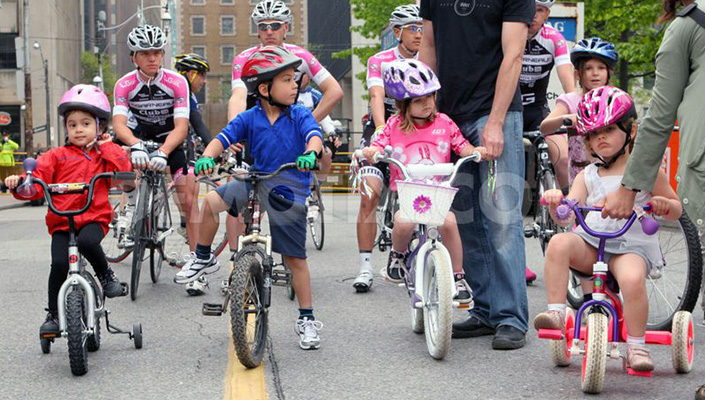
634, 240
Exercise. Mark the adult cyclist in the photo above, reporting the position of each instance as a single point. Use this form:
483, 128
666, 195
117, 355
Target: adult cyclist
195, 69
158, 100
408, 29
545, 48
309, 97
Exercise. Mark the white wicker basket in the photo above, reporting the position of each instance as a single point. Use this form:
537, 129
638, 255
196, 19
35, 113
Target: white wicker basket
425, 203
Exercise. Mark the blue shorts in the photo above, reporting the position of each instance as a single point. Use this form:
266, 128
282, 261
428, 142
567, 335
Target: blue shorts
287, 217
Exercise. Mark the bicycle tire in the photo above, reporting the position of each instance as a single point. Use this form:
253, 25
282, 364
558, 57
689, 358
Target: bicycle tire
438, 304
595, 357
176, 245
93, 341
317, 224
575, 292
247, 286
139, 231
75, 327
547, 227
113, 253
161, 223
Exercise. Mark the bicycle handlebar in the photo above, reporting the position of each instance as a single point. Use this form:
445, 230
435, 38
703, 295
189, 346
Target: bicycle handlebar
263, 176
648, 225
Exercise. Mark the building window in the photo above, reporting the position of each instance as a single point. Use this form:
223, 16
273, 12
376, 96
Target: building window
198, 25
200, 50
198, 2
227, 53
227, 2
227, 25
8, 58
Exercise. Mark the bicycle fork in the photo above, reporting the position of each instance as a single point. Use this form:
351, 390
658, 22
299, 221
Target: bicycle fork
75, 279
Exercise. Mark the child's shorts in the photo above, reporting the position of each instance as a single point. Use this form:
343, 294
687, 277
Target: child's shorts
287, 217
618, 246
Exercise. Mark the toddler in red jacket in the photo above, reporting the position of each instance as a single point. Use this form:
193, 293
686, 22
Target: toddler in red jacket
89, 150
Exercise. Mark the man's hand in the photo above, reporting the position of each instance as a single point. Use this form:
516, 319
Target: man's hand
158, 160
335, 139
306, 161
139, 156
204, 166
493, 140
618, 204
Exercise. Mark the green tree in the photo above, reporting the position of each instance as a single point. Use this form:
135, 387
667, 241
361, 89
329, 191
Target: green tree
89, 70
632, 26
374, 15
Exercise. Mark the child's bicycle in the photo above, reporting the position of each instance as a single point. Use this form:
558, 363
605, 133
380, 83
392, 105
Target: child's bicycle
252, 274
605, 326
429, 272
81, 301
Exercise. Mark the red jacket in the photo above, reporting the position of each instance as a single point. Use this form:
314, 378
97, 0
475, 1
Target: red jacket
70, 164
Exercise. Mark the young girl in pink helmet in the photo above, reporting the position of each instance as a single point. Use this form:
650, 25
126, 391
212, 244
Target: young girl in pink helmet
418, 134
89, 150
606, 119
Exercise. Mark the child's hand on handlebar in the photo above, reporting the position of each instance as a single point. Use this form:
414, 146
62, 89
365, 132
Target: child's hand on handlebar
482, 151
552, 197
12, 181
369, 153
204, 166
660, 205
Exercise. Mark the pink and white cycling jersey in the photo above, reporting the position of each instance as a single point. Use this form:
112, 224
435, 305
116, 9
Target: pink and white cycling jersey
310, 65
429, 144
154, 103
544, 50
375, 65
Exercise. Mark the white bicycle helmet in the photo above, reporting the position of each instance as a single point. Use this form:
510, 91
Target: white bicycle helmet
147, 37
545, 3
406, 14
271, 10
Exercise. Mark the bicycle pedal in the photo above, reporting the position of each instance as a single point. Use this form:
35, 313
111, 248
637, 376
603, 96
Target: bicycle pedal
212, 309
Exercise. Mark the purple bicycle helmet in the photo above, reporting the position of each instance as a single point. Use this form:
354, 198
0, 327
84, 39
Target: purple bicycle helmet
87, 98
406, 79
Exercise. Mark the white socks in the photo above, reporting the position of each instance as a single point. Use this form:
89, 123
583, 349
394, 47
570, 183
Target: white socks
365, 261
636, 341
560, 307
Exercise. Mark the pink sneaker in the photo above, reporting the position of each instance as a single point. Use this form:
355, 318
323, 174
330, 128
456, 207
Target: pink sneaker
530, 276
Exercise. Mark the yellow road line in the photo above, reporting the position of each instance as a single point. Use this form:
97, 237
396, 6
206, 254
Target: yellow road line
243, 383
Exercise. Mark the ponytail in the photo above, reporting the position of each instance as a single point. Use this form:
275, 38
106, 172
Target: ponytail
669, 10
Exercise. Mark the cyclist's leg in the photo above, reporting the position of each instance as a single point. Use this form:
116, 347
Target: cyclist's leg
402, 232
566, 250
185, 187
451, 240
558, 153
59, 266
88, 240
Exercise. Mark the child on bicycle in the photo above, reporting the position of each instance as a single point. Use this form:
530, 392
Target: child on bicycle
419, 134
277, 132
594, 60
89, 151
606, 119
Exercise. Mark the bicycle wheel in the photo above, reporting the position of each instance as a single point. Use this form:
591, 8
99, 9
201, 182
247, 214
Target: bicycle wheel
140, 233
176, 245
438, 304
315, 217
675, 286
575, 292
248, 316
595, 357
113, 252
93, 341
76, 331
162, 224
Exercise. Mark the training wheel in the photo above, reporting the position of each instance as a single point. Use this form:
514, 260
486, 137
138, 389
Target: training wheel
682, 342
137, 335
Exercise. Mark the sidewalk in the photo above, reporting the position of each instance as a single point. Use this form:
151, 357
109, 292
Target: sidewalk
7, 202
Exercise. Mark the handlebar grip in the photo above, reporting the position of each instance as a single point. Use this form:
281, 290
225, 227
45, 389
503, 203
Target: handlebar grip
543, 202
124, 176
562, 212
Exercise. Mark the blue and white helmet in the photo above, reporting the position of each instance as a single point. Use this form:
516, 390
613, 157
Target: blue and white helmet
597, 48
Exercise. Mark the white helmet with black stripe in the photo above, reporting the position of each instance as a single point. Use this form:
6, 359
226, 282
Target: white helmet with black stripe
271, 10
406, 14
545, 3
146, 37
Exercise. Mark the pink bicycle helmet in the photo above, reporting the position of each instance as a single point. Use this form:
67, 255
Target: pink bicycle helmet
602, 107
87, 98
406, 79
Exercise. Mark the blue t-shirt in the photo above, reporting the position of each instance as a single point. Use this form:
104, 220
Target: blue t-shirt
309, 98
274, 145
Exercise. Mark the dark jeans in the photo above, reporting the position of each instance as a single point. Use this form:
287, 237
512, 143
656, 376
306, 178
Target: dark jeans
88, 239
491, 228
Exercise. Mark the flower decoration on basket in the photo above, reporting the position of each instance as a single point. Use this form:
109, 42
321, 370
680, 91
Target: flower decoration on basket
422, 204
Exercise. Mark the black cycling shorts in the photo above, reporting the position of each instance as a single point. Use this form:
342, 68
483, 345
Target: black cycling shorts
534, 114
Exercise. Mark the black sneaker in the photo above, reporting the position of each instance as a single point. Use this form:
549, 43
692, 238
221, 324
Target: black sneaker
471, 327
508, 337
50, 327
110, 283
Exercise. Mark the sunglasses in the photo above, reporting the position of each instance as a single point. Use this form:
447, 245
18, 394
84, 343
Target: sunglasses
274, 26
414, 28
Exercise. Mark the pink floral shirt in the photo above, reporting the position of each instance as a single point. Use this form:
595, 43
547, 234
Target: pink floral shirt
428, 144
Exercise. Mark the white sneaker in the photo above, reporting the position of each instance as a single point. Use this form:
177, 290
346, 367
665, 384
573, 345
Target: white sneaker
308, 333
312, 213
363, 282
195, 267
198, 287
125, 239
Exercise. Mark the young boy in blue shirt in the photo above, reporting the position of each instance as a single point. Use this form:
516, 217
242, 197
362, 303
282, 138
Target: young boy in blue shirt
277, 132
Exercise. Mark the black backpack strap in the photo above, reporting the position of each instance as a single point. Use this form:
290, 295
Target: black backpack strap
693, 12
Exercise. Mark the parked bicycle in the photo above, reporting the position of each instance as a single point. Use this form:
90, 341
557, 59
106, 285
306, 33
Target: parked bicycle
81, 302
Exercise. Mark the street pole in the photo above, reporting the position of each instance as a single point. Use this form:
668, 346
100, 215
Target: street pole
29, 140
46, 90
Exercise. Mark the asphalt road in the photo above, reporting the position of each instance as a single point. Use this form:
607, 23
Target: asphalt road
368, 349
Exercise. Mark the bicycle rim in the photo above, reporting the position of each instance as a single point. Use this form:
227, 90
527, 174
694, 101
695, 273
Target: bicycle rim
248, 316
113, 253
316, 222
